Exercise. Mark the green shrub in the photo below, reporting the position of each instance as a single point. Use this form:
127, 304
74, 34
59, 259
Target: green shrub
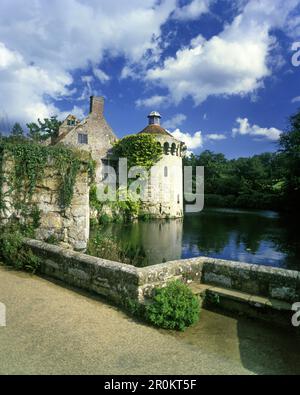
109, 247
134, 308
105, 219
52, 239
139, 149
14, 253
173, 307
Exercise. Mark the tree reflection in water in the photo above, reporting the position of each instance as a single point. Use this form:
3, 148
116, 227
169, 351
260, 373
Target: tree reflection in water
258, 237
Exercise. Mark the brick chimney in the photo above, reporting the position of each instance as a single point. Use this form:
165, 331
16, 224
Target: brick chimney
96, 106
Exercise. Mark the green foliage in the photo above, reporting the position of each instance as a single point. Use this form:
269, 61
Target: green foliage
68, 164
146, 217
290, 148
12, 250
140, 150
105, 219
42, 130
173, 307
213, 298
134, 308
94, 202
255, 182
17, 132
121, 210
30, 160
52, 239
108, 247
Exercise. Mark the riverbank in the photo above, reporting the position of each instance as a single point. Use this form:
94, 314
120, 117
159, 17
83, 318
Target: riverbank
55, 330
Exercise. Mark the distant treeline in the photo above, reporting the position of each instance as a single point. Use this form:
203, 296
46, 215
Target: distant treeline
266, 181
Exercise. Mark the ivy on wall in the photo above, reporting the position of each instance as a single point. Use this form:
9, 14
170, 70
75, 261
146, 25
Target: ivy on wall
29, 162
140, 150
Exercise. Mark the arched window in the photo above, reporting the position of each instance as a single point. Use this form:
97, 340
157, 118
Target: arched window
166, 148
166, 171
173, 149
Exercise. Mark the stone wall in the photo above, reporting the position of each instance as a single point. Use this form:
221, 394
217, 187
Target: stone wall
69, 225
280, 284
118, 281
114, 280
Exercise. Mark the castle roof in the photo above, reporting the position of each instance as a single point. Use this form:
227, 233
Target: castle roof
155, 129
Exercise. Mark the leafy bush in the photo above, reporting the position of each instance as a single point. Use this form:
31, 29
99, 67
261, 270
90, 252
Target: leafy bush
173, 307
140, 150
52, 239
13, 252
109, 247
134, 308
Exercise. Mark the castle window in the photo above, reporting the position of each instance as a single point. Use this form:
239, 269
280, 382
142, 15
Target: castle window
173, 149
71, 122
82, 138
166, 148
178, 199
166, 171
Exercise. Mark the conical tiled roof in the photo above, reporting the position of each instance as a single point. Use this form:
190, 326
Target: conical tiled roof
155, 129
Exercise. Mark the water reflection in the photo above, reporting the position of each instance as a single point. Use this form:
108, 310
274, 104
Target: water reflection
160, 241
262, 238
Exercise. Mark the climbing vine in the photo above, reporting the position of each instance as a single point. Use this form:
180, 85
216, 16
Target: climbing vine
29, 161
140, 150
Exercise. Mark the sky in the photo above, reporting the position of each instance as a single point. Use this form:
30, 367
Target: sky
224, 74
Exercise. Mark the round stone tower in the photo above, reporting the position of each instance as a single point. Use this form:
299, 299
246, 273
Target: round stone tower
166, 186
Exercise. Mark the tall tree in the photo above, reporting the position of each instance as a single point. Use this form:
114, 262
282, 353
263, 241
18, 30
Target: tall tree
42, 130
17, 131
290, 147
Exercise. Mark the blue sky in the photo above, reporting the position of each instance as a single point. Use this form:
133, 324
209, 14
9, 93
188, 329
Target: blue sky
219, 71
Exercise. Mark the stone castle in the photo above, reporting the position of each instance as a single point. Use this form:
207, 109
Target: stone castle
93, 134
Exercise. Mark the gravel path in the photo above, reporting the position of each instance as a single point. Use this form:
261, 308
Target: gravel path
54, 330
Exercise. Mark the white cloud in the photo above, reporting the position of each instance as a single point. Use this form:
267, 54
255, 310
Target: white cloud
296, 99
103, 77
191, 141
193, 10
215, 137
175, 121
233, 63
43, 42
77, 111
154, 101
245, 128
24, 86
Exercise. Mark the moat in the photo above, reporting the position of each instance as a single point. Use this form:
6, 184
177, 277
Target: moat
257, 237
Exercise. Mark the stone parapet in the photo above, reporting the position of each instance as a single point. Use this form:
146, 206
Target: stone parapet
119, 281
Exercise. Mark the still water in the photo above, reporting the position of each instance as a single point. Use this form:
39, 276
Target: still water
257, 237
